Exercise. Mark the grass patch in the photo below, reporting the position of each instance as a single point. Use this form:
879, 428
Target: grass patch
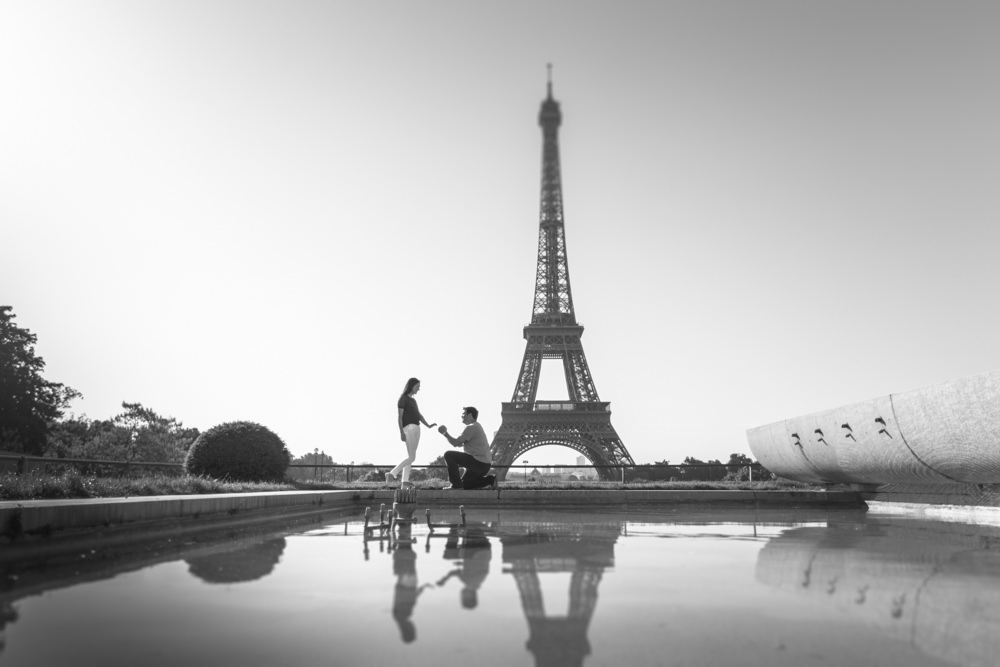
38, 486
33, 486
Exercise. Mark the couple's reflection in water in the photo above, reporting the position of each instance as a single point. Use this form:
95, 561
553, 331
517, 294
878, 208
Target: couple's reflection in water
530, 550
468, 546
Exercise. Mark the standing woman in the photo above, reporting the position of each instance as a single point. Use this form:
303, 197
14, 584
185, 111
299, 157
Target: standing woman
410, 420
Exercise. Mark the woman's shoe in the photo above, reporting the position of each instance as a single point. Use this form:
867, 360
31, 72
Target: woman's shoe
389, 479
406, 485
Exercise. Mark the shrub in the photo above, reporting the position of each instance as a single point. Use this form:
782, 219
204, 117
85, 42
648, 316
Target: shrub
242, 451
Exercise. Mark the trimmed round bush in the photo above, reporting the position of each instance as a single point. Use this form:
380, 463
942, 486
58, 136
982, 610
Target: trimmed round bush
239, 451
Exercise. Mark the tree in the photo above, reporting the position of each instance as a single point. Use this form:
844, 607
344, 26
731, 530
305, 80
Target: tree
149, 437
68, 437
136, 434
738, 467
28, 402
438, 473
664, 472
702, 470
314, 472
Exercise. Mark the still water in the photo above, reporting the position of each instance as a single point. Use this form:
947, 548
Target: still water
515, 587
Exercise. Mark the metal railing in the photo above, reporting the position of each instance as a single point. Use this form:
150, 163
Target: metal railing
322, 472
21, 464
622, 473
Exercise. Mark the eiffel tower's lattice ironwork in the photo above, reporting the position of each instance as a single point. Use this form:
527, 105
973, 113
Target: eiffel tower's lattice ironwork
583, 422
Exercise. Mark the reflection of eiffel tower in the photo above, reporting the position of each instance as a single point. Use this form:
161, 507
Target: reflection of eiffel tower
583, 551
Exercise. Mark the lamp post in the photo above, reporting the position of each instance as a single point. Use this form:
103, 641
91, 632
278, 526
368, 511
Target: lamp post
315, 461
525, 462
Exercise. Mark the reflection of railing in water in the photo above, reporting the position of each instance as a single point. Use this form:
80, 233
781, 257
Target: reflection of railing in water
940, 595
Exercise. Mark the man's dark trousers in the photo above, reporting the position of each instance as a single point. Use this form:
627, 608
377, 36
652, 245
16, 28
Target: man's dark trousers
475, 470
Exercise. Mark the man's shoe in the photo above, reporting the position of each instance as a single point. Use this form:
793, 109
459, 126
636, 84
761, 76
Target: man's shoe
493, 482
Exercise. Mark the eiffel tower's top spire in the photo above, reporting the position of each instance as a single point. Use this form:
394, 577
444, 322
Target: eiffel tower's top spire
550, 117
553, 296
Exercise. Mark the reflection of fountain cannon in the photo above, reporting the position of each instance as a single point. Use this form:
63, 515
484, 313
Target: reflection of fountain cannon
234, 566
403, 506
584, 551
935, 586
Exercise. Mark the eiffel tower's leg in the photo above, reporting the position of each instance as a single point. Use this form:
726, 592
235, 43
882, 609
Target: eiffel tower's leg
527, 379
510, 441
578, 380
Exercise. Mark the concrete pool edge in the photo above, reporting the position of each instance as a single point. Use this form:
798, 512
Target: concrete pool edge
40, 519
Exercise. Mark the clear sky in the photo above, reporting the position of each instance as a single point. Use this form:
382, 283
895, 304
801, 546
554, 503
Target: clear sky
280, 211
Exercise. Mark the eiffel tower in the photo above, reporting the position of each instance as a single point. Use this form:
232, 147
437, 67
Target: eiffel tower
583, 422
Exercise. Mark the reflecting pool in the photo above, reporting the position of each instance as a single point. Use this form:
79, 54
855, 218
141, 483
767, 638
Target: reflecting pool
517, 587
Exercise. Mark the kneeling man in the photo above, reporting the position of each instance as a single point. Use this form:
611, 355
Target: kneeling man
475, 459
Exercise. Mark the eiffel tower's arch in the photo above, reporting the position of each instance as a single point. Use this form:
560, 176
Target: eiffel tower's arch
595, 441
576, 446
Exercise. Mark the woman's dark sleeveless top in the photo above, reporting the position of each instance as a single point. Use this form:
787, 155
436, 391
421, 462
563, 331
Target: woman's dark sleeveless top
411, 415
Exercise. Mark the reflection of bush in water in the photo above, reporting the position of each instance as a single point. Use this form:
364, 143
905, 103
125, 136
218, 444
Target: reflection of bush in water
230, 567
